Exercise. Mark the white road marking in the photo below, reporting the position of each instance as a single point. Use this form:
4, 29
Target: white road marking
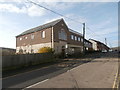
37, 83
115, 80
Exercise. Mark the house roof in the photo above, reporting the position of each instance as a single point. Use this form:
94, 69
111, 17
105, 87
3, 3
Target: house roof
99, 42
96, 41
75, 32
40, 27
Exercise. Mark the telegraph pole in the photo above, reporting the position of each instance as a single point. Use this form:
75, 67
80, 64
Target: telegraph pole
106, 41
83, 38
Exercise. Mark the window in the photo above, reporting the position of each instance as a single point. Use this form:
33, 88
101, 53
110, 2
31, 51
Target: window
78, 38
62, 24
43, 34
32, 36
75, 38
72, 37
20, 38
62, 34
25, 37
81, 39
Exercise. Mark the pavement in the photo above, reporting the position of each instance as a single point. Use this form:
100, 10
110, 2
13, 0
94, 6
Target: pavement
99, 73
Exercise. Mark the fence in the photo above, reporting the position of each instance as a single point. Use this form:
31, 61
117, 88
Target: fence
26, 59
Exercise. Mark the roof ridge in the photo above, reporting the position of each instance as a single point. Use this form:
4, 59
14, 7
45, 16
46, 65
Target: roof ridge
40, 27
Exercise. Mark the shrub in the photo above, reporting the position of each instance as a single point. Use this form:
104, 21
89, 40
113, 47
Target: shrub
45, 50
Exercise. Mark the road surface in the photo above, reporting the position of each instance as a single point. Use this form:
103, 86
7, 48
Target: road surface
99, 73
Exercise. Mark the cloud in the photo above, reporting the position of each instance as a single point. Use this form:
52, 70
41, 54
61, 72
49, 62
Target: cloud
62, 0
11, 8
35, 11
59, 5
25, 7
31, 10
103, 28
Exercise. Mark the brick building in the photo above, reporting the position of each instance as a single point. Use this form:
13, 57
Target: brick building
55, 34
98, 46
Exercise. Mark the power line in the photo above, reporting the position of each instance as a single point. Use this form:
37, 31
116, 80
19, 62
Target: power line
61, 15
53, 11
94, 32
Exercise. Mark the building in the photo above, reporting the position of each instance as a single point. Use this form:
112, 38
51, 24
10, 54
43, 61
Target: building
88, 45
7, 51
98, 46
115, 48
55, 34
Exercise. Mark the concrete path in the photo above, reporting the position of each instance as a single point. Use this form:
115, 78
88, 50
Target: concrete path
100, 73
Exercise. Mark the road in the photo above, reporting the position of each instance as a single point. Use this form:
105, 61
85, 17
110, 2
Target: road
22, 80
81, 68
99, 73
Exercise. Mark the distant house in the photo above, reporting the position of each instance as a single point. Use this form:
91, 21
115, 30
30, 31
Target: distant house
115, 48
55, 34
88, 45
7, 51
98, 46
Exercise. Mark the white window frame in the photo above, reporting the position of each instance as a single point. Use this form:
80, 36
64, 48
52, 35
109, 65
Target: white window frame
20, 38
81, 39
43, 34
72, 37
75, 38
32, 36
26, 37
62, 34
78, 38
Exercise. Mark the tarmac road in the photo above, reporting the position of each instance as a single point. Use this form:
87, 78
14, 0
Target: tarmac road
29, 78
99, 73
22, 80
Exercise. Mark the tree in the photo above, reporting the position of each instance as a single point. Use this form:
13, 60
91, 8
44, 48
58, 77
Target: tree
45, 50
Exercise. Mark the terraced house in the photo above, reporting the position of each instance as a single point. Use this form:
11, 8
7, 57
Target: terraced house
98, 46
55, 34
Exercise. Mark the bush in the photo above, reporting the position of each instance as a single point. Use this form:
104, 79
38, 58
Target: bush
45, 50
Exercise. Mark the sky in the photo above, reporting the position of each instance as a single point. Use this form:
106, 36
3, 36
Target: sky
101, 18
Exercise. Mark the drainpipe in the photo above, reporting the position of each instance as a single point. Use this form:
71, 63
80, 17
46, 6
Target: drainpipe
52, 41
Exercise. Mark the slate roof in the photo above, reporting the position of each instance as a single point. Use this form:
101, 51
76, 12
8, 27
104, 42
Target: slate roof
40, 27
99, 42
75, 32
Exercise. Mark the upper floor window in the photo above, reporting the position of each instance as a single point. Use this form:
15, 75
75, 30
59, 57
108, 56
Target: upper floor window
43, 34
20, 38
62, 34
32, 36
78, 38
75, 38
81, 39
62, 24
72, 37
26, 37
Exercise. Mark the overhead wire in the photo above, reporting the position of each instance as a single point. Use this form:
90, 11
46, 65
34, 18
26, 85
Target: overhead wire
63, 16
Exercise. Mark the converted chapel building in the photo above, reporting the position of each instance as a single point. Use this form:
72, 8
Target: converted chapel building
55, 34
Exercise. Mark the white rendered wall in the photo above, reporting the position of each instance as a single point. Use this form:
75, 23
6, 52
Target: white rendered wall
35, 47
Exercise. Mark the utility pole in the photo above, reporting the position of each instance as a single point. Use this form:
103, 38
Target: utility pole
83, 38
105, 41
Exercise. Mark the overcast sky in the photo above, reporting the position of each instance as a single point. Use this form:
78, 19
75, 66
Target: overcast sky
101, 18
